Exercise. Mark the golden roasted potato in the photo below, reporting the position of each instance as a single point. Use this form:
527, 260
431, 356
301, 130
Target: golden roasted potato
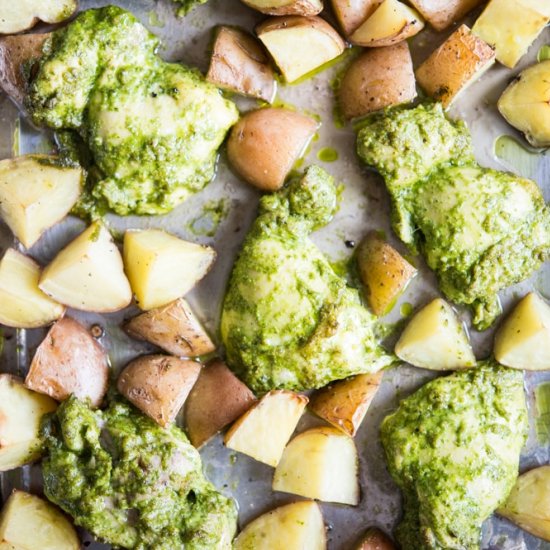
351, 13
391, 23
88, 273
217, 399
459, 61
289, 527
345, 403
158, 385
441, 14
21, 412
174, 328
286, 7
162, 267
264, 430
22, 303
378, 78
383, 271
29, 522
239, 63
299, 44
320, 463
23, 14
264, 145
69, 361
376, 539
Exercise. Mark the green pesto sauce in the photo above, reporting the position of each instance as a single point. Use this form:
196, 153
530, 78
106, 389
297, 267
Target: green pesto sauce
543, 53
188, 5
210, 218
155, 20
288, 320
327, 154
147, 130
542, 403
406, 309
453, 448
480, 230
130, 482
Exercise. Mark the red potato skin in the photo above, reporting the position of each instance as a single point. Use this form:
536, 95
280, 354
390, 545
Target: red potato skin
69, 361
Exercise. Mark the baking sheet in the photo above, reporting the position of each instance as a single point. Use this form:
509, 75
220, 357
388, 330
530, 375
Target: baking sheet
364, 206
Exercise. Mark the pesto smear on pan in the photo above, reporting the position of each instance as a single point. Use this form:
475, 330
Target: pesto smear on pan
132, 483
151, 129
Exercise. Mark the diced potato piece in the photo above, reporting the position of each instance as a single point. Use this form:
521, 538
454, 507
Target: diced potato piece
217, 399
383, 271
21, 412
375, 539
392, 22
158, 385
239, 64
88, 273
351, 13
458, 62
286, 7
295, 526
69, 361
174, 328
22, 303
320, 463
435, 339
264, 430
24, 14
28, 522
265, 144
441, 14
345, 403
528, 504
511, 26
36, 193
299, 44
523, 340
525, 104
162, 267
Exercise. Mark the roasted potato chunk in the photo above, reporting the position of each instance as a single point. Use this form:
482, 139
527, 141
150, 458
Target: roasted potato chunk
441, 14
286, 7
375, 539
351, 13
24, 14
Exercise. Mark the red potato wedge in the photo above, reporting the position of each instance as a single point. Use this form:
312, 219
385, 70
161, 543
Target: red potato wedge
378, 78
239, 64
376, 539
174, 328
158, 385
344, 404
69, 361
286, 7
264, 145
441, 14
23, 14
217, 399
352, 13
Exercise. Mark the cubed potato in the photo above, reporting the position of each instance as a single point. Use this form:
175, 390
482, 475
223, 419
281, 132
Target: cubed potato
28, 522
383, 271
375, 539
88, 273
265, 144
525, 104
435, 339
523, 340
294, 526
264, 430
320, 463
300, 45
24, 14
286, 7
441, 14
35, 193
217, 399
378, 78
391, 23
511, 26
21, 412
69, 361
161, 267
528, 504
239, 64
174, 328
460, 60
158, 385
345, 403
351, 13
22, 303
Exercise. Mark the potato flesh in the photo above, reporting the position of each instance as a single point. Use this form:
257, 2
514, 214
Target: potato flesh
265, 429
295, 526
352, 13
23, 14
22, 303
28, 522
21, 412
161, 267
320, 463
435, 339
